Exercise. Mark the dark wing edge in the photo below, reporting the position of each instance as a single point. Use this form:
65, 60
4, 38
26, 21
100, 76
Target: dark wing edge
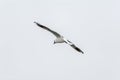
44, 27
76, 48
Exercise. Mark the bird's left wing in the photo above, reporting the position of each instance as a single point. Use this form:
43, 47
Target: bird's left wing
48, 29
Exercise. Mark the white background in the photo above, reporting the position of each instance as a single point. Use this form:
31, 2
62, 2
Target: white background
27, 51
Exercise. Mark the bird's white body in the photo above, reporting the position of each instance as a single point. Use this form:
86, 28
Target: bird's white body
59, 40
62, 40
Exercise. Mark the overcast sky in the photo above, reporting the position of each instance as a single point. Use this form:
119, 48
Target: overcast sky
27, 51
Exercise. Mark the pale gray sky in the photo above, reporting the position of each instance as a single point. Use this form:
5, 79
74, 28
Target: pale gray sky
27, 51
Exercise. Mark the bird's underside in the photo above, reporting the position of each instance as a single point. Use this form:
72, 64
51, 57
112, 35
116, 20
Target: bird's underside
59, 38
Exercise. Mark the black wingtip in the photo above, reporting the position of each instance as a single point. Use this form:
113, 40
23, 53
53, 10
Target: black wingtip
82, 52
79, 50
35, 22
39, 24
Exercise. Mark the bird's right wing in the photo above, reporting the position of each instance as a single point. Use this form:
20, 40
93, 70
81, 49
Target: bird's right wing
74, 46
46, 28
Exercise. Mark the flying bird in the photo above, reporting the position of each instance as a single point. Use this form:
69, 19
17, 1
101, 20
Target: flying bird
60, 38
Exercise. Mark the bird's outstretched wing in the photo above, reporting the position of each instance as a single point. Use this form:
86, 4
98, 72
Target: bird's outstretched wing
46, 28
76, 48
73, 46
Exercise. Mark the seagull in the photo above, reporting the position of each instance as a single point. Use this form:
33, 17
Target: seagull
59, 38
